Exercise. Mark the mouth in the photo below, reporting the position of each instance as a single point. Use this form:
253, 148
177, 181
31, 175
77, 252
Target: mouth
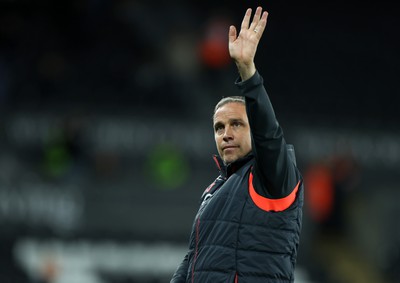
229, 147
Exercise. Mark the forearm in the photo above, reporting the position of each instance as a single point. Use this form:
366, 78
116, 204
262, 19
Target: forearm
259, 108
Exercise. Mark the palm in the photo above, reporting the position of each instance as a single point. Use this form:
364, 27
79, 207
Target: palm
244, 48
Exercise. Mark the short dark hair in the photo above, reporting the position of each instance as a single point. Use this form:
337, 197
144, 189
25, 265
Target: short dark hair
229, 99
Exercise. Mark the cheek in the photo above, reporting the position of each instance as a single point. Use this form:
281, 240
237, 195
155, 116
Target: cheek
248, 141
217, 140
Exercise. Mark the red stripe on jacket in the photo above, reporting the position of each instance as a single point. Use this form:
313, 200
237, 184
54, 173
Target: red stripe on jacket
269, 204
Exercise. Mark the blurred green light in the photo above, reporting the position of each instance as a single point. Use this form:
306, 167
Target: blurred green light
167, 167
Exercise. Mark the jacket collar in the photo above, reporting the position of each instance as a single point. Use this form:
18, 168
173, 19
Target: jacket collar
226, 170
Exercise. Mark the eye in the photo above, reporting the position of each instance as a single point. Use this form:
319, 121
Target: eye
219, 128
236, 124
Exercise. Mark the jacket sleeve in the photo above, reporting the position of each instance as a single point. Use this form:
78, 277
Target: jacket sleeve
275, 172
181, 272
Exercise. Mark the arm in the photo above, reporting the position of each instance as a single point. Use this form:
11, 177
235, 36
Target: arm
276, 174
275, 167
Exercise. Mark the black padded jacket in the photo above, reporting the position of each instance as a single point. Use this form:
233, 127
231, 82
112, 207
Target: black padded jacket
248, 225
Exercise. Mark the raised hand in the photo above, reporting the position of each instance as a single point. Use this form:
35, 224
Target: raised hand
243, 47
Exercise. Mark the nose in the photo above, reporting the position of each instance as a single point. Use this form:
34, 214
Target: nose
227, 134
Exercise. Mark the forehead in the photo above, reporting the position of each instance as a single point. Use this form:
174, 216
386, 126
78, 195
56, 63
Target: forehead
231, 110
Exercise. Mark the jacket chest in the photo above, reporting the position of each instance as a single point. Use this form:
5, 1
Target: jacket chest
224, 201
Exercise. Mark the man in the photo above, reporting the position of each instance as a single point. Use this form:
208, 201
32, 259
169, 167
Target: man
248, 226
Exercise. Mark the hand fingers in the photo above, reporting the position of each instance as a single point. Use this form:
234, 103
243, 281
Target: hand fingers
256, 18
246, 19
259, 20
261, 24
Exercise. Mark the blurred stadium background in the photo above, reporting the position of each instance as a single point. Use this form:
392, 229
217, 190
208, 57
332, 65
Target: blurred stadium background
106, 138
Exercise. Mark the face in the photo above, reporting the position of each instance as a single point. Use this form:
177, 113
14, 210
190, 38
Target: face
232, 132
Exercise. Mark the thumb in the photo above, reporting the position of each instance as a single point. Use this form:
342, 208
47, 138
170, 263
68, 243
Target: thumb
232, 34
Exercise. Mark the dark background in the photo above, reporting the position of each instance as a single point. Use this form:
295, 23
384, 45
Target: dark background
106, 137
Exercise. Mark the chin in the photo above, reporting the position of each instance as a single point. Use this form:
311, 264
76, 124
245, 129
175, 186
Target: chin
229, 160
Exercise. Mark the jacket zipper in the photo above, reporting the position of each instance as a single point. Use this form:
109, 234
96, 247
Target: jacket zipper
197, 243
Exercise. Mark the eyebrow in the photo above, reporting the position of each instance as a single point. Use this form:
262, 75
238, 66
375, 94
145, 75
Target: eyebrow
230, 121
236, 120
